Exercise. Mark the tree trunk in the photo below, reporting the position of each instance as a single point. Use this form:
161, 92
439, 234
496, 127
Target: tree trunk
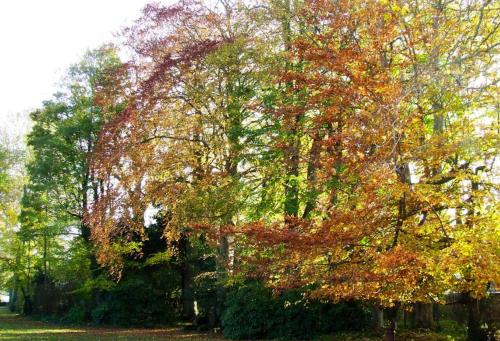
14, 291
222, 272
28, 305
187, 292
186, 280
377, 317
13, 296
422, 316
474, 332
45, 298
391, 315
292, 151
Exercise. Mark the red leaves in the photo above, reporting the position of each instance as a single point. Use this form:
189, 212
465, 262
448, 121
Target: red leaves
308, 155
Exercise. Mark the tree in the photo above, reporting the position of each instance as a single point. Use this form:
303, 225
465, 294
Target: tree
11, 179
63, 136
188, 141
61, 184
452, 62
386, 108
348, 146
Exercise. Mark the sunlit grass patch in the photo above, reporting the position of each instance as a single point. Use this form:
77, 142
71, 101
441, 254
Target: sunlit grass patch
16, 327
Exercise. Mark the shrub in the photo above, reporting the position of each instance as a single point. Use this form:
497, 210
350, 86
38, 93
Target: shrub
253, 312
452, 328
100, 313
135, 301
250, 312
205, 294
75, 315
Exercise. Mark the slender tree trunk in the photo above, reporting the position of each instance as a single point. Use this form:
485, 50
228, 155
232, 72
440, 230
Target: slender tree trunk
223, 262
474, 320
291, 153
378, 317
186, 279
314, 154
391, 315
474, 332
14, 292
45, 298
28, 304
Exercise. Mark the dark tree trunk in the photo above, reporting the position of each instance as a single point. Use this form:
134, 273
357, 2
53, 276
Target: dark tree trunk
314, 154
474, 332
13, 297
422, 316
186, 280
222, 273
28, 305
187, 292
391, 315
377, 317
292, 159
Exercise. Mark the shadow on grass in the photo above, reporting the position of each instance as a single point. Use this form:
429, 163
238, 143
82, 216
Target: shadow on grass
16, 327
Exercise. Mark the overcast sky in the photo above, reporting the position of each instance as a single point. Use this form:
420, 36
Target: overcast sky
40, 39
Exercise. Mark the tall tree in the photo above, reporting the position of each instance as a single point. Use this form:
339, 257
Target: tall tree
339, 141
61, 184
11, 181
191, 137
387, 105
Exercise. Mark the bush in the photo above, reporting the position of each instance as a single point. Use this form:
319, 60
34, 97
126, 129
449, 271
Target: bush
250, 312
76, 315
136, 301
253, 312
205, 294
452, 328
100, 314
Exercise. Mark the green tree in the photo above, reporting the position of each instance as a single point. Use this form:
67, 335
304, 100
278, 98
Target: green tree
60, 183
11, 182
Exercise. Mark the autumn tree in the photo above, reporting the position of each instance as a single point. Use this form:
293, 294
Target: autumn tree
184, 142
386, 108
345, 146
452, 51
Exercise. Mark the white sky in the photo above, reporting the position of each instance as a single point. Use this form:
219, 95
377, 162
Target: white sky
40, 39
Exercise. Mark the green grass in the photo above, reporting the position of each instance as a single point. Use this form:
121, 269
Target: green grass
16, 327
400, 336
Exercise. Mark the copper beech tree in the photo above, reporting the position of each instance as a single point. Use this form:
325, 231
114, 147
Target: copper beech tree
188, 139
348, 146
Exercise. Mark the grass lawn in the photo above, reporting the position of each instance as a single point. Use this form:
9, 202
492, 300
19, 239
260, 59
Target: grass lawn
16, 327
400, 336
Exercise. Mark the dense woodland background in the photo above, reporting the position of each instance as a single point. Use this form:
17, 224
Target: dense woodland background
274, 168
